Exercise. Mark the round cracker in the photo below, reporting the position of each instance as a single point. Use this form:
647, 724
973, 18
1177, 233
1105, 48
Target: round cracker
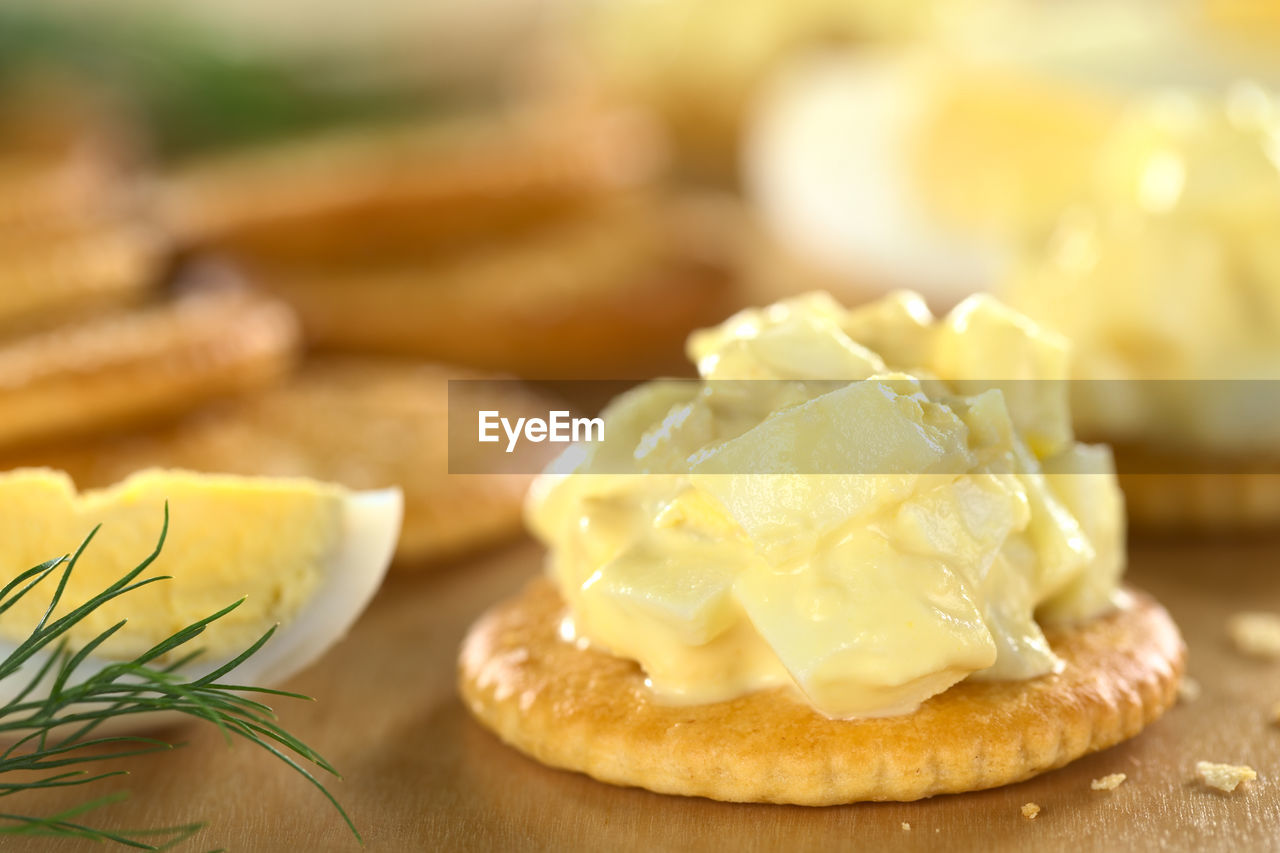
75, 272
65, 155
599, 294
361, 194
1207, 503
125, 369
1204, 493
586, 710
370, 423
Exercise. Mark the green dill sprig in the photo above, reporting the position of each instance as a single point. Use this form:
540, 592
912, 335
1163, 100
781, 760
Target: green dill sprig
47, 726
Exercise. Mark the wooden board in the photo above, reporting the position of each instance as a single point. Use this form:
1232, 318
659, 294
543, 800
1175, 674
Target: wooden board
421, 775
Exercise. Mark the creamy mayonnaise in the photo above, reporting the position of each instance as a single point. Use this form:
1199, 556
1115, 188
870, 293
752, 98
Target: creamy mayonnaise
868, 541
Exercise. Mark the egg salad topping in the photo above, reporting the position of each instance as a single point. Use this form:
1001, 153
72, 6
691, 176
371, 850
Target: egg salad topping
1172, 271
228, 538
886, 508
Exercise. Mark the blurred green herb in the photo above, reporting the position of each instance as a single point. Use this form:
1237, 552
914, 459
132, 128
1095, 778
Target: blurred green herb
194, 92
47, 727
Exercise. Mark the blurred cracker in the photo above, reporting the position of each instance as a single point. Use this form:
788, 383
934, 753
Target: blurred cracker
586, 710
45, 280
365, 423
1169, 490
602, 293
64, 153
1203, 503
129, 368
72, 242
363, 193
36, 195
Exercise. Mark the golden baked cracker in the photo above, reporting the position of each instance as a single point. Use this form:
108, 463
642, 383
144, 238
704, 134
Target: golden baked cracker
585, 710
366, 423
62, 152
33, 195
596, 294
73, 239
51, 278
1168, 490
360, 195
1203, 502
129, 368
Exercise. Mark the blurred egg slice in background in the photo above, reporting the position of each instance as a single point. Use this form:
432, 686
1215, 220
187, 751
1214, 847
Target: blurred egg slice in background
932, 165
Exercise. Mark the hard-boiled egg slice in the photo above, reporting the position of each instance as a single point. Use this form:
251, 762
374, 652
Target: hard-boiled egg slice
306, 557
828, 163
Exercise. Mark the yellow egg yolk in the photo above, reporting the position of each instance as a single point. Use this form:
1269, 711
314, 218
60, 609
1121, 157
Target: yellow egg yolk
228, 538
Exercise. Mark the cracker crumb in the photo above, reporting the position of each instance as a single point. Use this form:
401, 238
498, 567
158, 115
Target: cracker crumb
906, 827
1030, 811
1188, 689
1256, 634
1108, 783
1224, 777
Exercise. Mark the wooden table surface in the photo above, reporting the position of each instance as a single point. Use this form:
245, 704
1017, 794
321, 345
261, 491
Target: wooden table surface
421, 775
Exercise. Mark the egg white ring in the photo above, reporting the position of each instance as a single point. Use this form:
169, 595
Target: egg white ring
827, 162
